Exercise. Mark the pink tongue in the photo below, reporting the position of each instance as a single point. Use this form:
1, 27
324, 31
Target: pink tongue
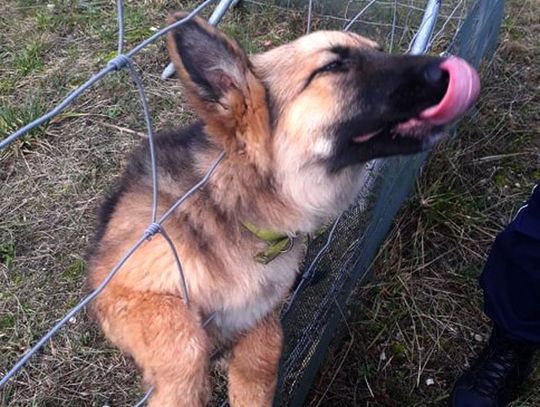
462, 92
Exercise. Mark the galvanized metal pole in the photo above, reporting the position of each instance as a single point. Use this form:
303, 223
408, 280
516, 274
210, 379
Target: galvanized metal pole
421, 40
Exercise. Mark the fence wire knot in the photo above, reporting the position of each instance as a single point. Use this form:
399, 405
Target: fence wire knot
119, 61
152, 230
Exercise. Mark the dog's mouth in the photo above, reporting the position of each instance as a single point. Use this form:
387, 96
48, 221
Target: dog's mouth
461, 93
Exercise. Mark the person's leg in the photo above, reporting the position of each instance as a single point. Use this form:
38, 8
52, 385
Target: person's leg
511, 284
511, 278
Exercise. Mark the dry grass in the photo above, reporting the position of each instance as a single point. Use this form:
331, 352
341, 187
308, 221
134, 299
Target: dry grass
421, 322
424, 311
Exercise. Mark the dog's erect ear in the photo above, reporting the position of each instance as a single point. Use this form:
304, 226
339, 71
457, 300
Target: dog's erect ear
218, 80
213, 63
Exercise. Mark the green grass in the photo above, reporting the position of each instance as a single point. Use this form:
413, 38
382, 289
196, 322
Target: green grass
138, 26
7, 321
75, 270
13, 117
30, 58
257, 35
7, 253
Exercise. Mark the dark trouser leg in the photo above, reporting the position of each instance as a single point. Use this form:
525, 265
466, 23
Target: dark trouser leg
511, 277
511, 284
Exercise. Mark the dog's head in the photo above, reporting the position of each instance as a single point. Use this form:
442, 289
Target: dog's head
321, 105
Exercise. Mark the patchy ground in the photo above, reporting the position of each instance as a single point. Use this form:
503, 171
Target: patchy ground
423, 314
421, 322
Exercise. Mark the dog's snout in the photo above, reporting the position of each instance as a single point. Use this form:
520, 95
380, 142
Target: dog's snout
434, 74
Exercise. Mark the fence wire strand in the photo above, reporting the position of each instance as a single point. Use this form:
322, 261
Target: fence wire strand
348, 26
120, 18
115, 64
149, 132
310, 12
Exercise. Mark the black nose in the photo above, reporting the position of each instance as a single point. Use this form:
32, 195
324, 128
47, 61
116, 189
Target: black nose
434, 75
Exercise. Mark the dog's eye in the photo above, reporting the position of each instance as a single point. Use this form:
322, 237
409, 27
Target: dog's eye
334, 66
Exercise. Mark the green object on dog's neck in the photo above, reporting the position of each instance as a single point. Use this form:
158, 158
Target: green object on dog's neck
278, 243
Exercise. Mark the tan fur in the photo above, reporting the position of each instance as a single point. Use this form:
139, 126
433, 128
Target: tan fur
268, 178
287, 66
253, 366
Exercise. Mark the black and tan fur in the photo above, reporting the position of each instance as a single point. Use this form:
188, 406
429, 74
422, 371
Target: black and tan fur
286, 119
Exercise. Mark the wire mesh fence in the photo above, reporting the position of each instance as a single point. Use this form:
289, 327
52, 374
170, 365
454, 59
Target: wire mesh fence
338, 258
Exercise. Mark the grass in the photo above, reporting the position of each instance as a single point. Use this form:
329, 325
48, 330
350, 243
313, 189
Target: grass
30, 60
422, 318
13, 117
7, 253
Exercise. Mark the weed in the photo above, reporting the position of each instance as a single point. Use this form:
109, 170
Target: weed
7, 253
75, 270
7, 321
114, 111
46, 21
13, 117
7, 85
30, 58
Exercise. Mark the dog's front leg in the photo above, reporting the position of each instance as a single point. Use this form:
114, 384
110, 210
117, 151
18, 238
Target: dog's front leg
164, 338
254, 365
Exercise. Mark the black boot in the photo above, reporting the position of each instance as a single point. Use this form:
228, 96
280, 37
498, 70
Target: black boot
494, 378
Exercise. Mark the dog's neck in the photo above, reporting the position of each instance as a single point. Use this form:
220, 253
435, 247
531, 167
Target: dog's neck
249, 195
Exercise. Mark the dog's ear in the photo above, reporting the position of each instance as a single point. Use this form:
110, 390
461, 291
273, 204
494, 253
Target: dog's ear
218, 81
208, 62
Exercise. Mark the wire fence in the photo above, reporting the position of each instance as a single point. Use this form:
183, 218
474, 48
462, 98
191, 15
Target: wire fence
343, 249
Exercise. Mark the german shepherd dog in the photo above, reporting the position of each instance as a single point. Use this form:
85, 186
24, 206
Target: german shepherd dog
297, 124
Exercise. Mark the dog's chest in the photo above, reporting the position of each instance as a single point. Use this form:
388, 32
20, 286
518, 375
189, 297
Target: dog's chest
256, 292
